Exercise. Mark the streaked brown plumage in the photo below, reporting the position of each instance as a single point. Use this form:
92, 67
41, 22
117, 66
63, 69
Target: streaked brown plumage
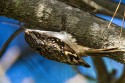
53, 48
61, 47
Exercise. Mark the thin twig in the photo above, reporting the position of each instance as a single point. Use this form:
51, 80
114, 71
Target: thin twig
114, 14
9, 40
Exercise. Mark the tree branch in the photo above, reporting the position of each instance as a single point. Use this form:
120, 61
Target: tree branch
106, 7
88, 30
101, 70
9, 40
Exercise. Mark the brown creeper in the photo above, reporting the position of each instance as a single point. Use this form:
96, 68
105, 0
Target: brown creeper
57, 46
60, 46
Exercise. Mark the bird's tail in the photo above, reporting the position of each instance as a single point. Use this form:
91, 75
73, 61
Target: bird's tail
103, 51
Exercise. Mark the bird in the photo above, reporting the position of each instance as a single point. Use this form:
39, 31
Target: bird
61, 47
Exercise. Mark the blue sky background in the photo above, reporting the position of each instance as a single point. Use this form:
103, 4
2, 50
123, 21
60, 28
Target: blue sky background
38, 68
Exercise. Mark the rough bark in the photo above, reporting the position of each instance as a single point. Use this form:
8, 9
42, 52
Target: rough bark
88, 29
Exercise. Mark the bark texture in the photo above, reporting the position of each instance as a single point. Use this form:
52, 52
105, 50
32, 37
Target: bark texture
89, 30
